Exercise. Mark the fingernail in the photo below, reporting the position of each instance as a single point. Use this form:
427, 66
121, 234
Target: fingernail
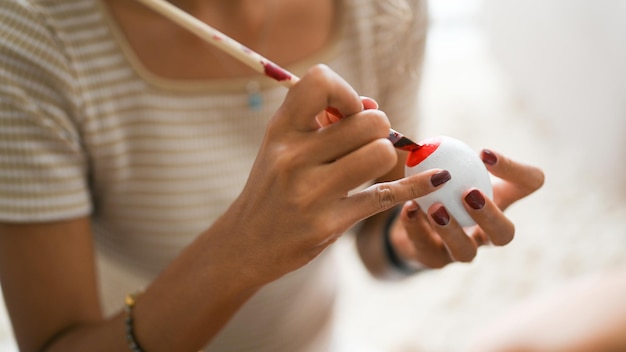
441, 216
489, 157
369, 103
335, 112
412, 210
475, 199
440, 178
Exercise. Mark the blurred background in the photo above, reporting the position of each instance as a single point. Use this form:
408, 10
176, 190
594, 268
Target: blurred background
543, 81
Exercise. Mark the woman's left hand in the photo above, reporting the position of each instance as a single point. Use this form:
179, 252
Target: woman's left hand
433, 238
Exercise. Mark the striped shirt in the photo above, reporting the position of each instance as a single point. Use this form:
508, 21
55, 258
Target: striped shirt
86, 130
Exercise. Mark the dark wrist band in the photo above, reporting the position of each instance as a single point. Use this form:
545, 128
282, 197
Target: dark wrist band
398, 265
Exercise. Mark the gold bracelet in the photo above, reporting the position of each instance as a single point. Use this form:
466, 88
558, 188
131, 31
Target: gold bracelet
129, 304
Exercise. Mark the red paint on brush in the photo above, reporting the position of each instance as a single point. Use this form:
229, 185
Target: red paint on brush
275, 72
401, 142
425, 149
409, 147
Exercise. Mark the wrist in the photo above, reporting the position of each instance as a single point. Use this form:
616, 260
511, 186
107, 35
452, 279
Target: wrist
398, 267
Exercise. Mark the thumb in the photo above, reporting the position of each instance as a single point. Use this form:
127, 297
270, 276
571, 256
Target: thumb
382, 196
319, 89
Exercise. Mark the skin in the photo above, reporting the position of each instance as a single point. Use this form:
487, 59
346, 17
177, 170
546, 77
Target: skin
416, 237
53, 302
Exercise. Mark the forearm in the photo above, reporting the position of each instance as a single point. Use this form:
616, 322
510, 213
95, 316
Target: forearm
178, 312
162, 322
370, 245
192, 300
50, 291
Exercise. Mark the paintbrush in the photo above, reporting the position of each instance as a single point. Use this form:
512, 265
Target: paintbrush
246, 56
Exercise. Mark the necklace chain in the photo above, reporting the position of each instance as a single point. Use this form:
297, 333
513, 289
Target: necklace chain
253, 87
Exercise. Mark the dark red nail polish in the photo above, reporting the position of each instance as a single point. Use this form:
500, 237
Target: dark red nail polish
441, 216
475, 199
440, 178
412, 211
489, 157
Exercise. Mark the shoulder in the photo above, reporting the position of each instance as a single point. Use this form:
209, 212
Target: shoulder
28, 40
19, 18
386, 25
37, 24
34, 59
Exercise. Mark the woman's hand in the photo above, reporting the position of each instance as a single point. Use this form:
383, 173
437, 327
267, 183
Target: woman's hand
296, 200
433, 238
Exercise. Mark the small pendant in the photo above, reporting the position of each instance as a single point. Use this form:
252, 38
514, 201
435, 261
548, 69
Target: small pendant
255, 100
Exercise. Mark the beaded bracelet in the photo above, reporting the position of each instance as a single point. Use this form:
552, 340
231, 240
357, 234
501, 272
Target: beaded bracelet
400, 267
129, 304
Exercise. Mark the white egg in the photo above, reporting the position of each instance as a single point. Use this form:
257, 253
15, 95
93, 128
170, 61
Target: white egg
465, 166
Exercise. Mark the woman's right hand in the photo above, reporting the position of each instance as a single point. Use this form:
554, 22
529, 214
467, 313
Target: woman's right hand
296, 201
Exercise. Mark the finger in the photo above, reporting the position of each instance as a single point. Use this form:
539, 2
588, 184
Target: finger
521, 179
331, 115
495, 225
385, 195
350, 134
365, 164
462, 247
479, 236
369, 103
318, 89
428, 247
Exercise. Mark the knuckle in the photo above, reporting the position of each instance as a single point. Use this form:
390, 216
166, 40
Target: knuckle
326, 232
415, 191
320, 73
414, 187
384, 196
286, 158
377, 121
323, 229
384, 152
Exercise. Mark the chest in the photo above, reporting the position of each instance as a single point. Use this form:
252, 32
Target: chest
284, 31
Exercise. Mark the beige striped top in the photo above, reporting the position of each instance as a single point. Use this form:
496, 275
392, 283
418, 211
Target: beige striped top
85, 129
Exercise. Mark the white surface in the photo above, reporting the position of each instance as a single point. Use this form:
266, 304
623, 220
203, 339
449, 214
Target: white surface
525, 106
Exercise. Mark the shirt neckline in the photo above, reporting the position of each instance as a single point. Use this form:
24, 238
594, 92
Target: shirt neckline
234, 84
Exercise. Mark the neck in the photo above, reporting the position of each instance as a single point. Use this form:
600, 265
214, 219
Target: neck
284, 31
243, 15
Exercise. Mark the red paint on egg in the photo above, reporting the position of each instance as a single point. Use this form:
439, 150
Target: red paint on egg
420, 154
276, 72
